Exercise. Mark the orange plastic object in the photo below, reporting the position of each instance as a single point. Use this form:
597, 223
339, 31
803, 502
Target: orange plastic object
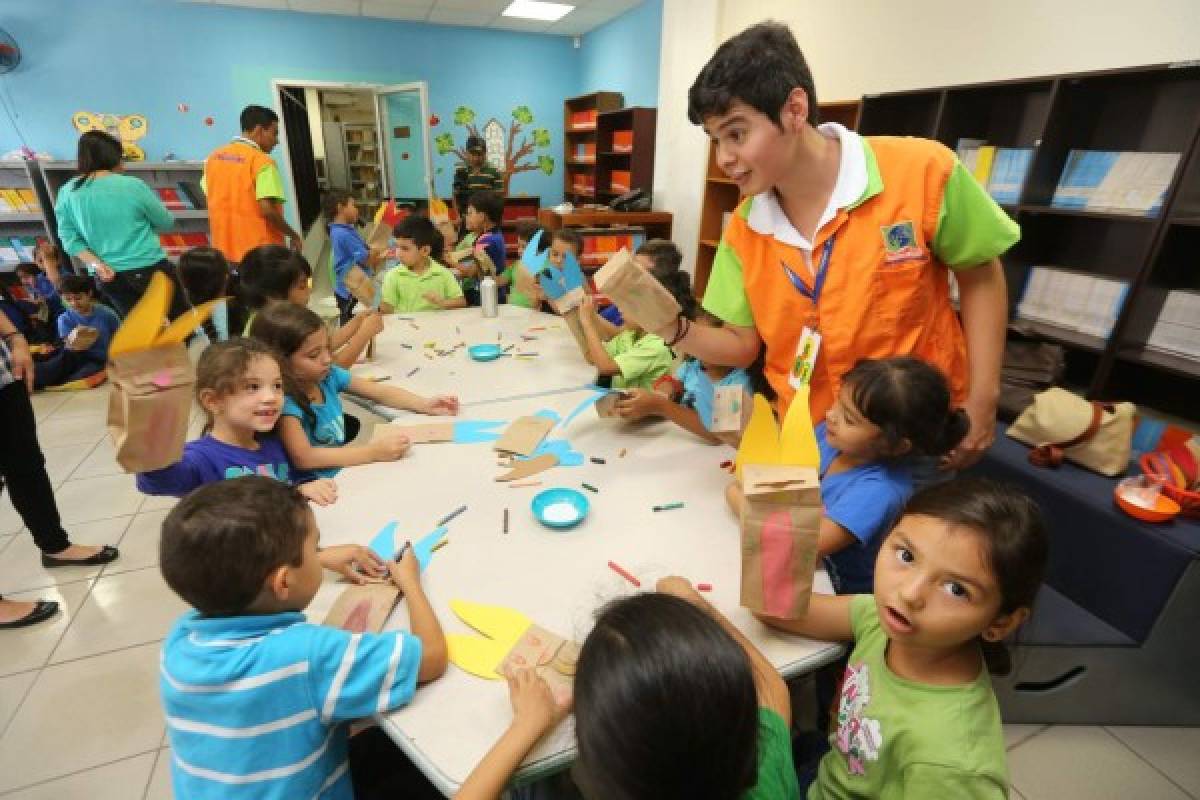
1165, 508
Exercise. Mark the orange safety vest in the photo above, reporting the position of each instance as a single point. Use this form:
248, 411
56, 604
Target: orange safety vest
885, 293
231, 173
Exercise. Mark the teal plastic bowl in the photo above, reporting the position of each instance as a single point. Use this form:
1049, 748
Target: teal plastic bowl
485, 352
560, 508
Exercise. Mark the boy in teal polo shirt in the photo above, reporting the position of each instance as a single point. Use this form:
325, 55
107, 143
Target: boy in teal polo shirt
418, 283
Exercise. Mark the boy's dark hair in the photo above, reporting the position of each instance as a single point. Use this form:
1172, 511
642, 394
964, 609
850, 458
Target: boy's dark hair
331, 201
77, 284
756, 372
222, 541
665, 704
667, 258
421, 231
257, 117
490, 204
526, 229
679, 284
569, 235
222, 366
97, 151
907, 398
283, 327
28, 268
1017, 543
760, 67
269, 271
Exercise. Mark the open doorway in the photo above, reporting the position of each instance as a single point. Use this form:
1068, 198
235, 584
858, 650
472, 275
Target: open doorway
370, 140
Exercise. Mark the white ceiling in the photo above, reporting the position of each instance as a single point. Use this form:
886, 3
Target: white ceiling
588, 14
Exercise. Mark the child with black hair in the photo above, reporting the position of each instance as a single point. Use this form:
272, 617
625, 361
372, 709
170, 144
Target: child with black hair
630, 357
239, 387
85, 329
485, 210
671, 701
955, 577
258, 700
523, 288
349, 249
419, 282
688, 399
204, 275
272, 273
314, 427
42, 289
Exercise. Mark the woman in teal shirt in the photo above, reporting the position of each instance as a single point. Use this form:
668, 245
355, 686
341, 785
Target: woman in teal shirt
111, 222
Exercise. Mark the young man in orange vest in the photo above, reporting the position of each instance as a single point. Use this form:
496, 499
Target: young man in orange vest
245, 192
844, 244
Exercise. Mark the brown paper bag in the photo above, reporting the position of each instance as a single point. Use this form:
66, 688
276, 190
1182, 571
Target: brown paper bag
380, 236
780, 519
606, 406
82, 337
551, 656
523, 435
360, 285
732, 406
568, 302
149, 406
637, 293
363, 609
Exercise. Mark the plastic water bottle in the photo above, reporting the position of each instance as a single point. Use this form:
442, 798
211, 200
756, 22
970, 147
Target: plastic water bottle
488, 298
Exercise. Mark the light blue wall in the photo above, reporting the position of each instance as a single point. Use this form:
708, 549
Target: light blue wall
622, 55
148, 56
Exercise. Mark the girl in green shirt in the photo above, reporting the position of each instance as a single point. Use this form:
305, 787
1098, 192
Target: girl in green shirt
917, 716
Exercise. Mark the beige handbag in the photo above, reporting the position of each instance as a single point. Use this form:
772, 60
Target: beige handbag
1059, 424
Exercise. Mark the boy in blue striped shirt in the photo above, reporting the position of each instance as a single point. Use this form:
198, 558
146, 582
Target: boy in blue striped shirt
257, 700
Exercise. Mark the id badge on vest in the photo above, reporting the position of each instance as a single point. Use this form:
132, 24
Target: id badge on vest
805, 360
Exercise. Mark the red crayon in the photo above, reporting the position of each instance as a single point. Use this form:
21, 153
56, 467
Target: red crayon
620, 571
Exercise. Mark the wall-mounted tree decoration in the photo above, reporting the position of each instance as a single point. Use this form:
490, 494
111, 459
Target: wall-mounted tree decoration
507, 151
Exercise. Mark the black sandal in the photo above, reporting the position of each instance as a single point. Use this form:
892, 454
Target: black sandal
107, 553
44, 610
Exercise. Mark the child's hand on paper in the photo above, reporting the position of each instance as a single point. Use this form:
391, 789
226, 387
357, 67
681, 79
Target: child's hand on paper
389, 445
639, 404
442, 405
353, 561
322, 491
533, 703
406, 573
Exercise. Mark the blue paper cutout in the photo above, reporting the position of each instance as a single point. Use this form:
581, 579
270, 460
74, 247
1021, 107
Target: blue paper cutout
548, 414
586, 404
532, 259
385, 546
557, 283
423, 549
473, 431
561, 449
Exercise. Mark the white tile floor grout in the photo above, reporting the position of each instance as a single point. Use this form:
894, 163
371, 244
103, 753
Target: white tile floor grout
1047, 762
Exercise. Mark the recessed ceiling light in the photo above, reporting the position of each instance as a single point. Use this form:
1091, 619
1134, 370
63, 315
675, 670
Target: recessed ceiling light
535, 9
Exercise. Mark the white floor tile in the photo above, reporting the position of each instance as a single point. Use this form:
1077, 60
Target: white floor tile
46, 402
157, 503
90, 403
1068, 762
10, 520
126, 609
21, 568
160, 779
102, 460
30, 648
62, 461
121, 780
98, 498
139, 545
70, 431
83, 715
12, 691
1175, 751
1015, 735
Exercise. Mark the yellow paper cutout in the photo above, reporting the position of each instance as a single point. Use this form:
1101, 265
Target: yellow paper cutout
500, 627
143, 326
760, 440
798, 440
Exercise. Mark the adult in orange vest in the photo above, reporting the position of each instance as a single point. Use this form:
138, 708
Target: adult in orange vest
848, 236
245, 192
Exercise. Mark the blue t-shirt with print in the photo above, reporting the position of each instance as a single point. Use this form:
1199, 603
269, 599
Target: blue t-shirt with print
865, 500
102, 318
699, 392
326, 426
208, 460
